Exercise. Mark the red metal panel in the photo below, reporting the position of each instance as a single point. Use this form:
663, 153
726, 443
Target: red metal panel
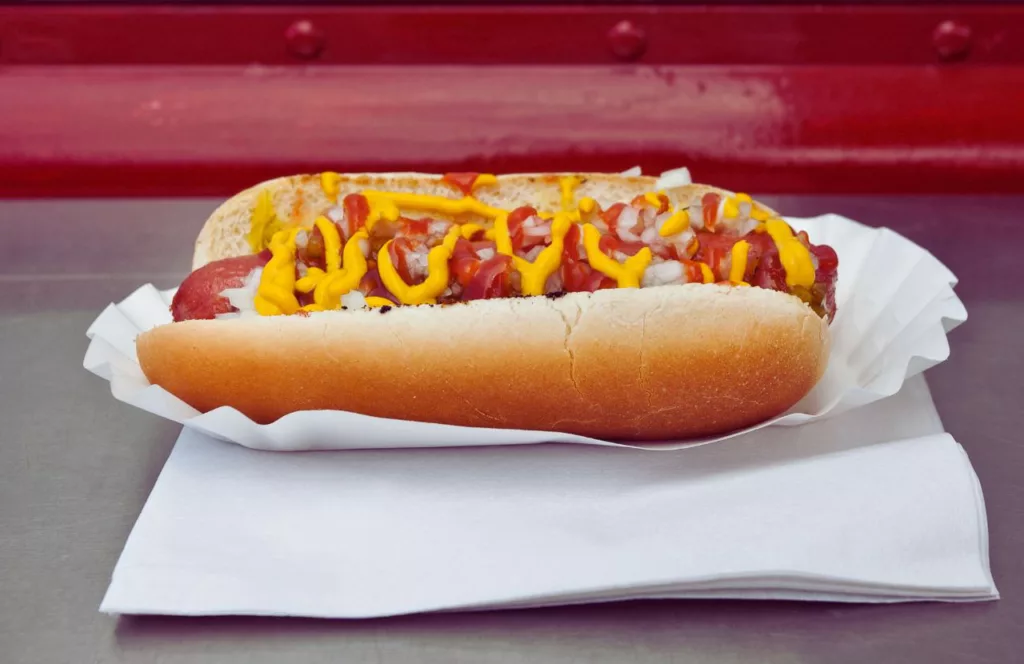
212, 130
511, 35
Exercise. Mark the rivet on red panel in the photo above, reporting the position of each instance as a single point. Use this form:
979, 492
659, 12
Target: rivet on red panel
305, 40
952, 40
627, 40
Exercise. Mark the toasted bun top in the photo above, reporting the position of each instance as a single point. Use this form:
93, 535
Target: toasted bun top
299, 199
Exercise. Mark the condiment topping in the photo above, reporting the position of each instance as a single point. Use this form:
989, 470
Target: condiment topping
367, 246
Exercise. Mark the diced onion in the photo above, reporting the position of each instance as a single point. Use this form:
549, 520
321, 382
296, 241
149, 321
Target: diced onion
746, 226
438, 228
650, 235
536, 231
682, 240
532, 254
336, 214
353, 300
677, 177
243, 298
485, 254
720, 213
696, 212
628, 217
632, 172
554, 283
302, 239
532, 221
417, 263
661, 274
627, 235
627, 220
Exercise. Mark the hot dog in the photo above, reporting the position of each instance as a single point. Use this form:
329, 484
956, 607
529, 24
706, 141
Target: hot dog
613, 306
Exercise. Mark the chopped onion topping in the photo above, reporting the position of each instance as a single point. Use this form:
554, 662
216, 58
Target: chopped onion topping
353, 300
438, 228
661, 274
696, 212
243, 298
677, 177
554, 283
720, 214
746, 226
417, 263
648, 216
485, 254
741, 223
632, 172
536, 227
682, 240
336, 214
627, 220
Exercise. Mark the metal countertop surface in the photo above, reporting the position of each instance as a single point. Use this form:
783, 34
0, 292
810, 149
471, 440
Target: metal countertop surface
76, 467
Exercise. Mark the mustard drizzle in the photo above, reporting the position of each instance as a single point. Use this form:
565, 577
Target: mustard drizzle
347, 265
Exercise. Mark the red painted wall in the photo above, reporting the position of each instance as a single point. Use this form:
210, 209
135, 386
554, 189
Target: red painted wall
173, 101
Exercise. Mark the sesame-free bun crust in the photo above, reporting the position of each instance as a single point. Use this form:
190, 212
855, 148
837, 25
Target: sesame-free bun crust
299, 199
664, 363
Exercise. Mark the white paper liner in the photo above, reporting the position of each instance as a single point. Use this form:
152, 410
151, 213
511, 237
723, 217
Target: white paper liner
895, 306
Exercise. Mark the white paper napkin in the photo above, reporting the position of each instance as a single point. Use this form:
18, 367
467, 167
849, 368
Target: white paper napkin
876, 505
895, 305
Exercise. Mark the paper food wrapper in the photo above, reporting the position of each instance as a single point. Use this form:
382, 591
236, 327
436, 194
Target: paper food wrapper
877, 505
895, 306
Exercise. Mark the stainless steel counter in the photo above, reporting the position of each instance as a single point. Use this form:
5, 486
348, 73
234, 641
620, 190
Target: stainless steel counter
76, 467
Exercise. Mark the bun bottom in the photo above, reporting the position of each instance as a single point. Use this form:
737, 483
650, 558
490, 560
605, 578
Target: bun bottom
665, 363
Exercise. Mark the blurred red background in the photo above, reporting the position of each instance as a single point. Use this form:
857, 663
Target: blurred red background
194, 100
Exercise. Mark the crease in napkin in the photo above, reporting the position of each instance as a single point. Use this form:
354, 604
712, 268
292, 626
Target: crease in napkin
874, 506
895, 306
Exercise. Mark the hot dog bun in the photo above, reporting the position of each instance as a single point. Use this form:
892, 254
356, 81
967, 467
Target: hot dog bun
661, 363
658, 363
299, 199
